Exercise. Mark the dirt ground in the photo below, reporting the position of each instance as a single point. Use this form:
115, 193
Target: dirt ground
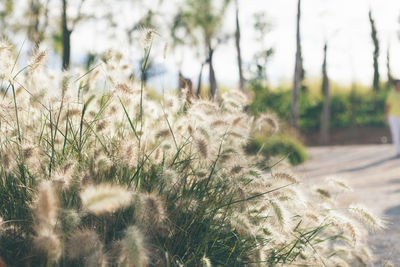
374, 174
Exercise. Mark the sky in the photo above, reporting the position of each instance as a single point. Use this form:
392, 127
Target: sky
343, 24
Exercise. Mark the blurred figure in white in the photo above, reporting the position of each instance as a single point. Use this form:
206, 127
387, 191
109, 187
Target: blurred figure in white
392, 113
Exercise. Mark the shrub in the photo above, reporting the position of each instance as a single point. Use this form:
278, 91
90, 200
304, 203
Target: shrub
279, 145
108, 176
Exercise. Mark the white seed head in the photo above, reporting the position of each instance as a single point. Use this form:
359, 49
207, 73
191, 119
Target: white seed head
104, 198
132, 249
47, 242
83, 243
205, 262
365, 215
46, 205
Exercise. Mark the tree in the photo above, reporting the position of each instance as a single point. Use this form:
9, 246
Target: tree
298, 72
388, 69
261, 57
198, 90
146, 22
242, 85
201, 22
325, 116
7, 8
38, 21
67, 30
376, 51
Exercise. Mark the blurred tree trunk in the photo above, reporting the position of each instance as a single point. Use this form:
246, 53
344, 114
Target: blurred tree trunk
204, 17
38, 21
34, 25
67, 30
238, 49
212, 79
388, 69
66, 37
325, 116
353, 111
297, 72
376, 51
198, 91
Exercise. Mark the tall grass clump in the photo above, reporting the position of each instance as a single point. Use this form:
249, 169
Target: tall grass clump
96, 173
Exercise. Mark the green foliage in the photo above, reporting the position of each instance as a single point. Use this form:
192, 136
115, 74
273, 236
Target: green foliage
7, 8
348, 107
198, 16
286, 145
279, 146
265, 99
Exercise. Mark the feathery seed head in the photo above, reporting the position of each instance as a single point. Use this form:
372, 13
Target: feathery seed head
97, 259
163, 133
6, 160
218, 123
132, 249
205, 262
46, 205
83, 243
63, 177
236, 169
242, 225
124, 88
150, 213
165, 50
7, 62
47, 242
280, 213
2, 228
190, 129
28, 151
147, 37
338, 262
202, 147
363, 255
237, 120
285, 177
37, 59
352, 231
102, 125
130, 153
365, 215
267, 122
323, 193
104, 198
170, 178
339, 184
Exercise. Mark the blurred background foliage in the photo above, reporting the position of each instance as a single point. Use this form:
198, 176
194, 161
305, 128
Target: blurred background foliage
351, 106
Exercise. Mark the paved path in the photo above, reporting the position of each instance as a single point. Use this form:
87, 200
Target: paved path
374, 174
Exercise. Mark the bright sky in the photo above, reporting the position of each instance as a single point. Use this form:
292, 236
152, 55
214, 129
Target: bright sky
344, 23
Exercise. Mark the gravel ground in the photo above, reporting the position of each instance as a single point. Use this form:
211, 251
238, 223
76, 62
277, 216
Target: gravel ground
374, 174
